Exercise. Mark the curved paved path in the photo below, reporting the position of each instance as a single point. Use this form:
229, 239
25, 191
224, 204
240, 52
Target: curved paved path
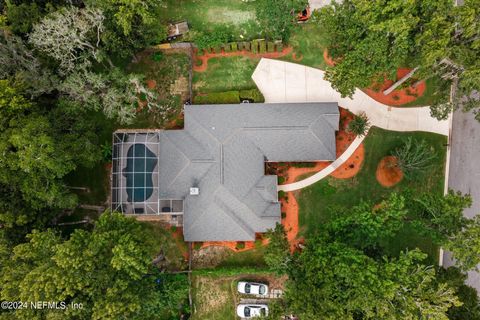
281, 81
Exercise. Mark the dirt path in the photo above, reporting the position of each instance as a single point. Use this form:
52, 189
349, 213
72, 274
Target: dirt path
206, 56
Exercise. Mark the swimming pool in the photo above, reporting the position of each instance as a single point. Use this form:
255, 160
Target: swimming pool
141, 162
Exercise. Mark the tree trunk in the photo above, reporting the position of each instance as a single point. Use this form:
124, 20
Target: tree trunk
399, 82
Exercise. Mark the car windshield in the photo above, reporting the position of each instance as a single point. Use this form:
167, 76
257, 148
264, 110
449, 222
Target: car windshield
247, 288
247, 311
261, 289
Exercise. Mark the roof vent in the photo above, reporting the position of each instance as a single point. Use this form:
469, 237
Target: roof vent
194, 191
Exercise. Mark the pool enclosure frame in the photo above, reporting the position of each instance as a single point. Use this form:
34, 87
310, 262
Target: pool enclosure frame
153, 205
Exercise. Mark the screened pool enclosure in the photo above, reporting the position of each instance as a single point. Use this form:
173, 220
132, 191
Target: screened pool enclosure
135, 175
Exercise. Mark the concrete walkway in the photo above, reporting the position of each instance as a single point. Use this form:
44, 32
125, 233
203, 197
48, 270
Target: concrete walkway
281, 81
325, 172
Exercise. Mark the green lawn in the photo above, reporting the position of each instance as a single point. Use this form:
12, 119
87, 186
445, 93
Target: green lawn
224, 74
249, 258
315, 200
436, 91
213, 298
203, 15
308, 40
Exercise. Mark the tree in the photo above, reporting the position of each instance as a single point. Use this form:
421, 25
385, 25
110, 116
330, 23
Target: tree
21, 17
108, 270
277, 17
449, 46
465, 245
414, 157
277, 254
470, 310
364, 227
116, 94
368, 40
37, 152
130, 25
330, 280
437, 216
70, 35
359, 124
23, 68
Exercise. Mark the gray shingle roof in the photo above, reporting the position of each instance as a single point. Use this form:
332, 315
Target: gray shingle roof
222, 151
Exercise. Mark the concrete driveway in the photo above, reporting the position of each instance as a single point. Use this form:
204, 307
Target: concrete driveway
281, 81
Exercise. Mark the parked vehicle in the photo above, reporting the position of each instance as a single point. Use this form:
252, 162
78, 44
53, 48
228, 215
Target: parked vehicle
252, 310
252, 288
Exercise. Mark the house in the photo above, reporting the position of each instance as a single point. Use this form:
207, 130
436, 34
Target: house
211, 175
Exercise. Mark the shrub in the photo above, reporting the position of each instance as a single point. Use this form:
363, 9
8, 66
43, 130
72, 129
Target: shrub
263, 46
217, 49
254, 45
258, 243
252, 95
227, 97
227, 47
281, 194
284, 214
359, 124
240, 245
157, 56
240, 46
234, 46
279, 45
173, 228
414, 157
197, 245
270, 46
277, 253
247, 46
216, 37
281, 180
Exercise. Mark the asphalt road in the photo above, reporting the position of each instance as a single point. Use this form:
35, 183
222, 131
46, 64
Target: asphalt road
464, 172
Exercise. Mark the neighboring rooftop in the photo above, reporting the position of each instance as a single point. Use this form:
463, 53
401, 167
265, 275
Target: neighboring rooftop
216, 165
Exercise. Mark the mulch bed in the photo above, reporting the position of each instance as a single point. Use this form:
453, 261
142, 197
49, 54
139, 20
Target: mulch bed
388, 173
398, 97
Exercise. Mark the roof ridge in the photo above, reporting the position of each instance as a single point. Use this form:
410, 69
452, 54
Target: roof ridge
230, 212
320, 118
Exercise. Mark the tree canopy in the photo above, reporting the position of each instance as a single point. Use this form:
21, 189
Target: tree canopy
108, 270
369, 40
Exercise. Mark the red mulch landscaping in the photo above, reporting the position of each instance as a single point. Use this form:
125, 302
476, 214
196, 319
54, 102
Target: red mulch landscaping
388, 173
328, 60
206, 56
352, 166
343, 140
399, 96
290, 222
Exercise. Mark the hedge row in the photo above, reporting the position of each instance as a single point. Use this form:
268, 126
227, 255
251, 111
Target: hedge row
254, 46
230, 97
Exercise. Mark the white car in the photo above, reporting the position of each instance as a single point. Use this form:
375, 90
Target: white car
252, 288
252, 310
